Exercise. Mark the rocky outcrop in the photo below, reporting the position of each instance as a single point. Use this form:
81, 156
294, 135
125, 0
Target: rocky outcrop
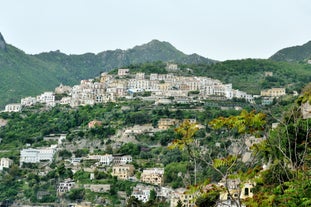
306, 110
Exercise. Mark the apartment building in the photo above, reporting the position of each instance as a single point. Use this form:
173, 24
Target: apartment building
122, 159
273, 92
47, 97
106, 159
31, 155
123, 172
181, 195
140, 76
28, 101
142, 192
15, 107
153, 176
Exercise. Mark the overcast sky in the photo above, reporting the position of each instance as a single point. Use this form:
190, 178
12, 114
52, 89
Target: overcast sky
217, 29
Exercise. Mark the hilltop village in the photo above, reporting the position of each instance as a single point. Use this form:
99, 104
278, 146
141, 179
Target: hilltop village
98, 169
160, 88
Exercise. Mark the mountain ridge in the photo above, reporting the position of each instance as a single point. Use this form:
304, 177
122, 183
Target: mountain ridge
296, 53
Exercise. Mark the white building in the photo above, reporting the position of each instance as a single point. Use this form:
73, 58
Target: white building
28, 101
5, 163
15, 107
106, 159
142, 192
65, 100
65, 186
123, 71
122, 159
47, 97
36, 155
153, 176
140, 76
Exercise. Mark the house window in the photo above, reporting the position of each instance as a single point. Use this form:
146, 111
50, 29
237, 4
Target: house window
246, 191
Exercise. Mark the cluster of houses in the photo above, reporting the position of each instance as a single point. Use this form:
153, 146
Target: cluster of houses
151, 179
162, 88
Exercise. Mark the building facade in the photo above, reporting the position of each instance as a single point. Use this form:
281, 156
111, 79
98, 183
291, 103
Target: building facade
123, 172
15, 107
273, 92
153, 176
31, 155
5, 163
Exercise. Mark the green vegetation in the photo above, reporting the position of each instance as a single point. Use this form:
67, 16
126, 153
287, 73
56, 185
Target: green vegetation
294, 54
192, 155
249, 75
286, 150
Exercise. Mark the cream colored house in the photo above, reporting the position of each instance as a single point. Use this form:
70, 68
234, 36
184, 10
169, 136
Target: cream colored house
153, 176
5, 163
181, 194
123, 172
273, 92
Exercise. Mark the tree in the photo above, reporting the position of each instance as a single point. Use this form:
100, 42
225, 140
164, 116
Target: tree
287, 151
240, 127
76, 194
134, 202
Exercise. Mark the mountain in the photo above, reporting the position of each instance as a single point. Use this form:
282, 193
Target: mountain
293, 54
92, 64
24, 75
